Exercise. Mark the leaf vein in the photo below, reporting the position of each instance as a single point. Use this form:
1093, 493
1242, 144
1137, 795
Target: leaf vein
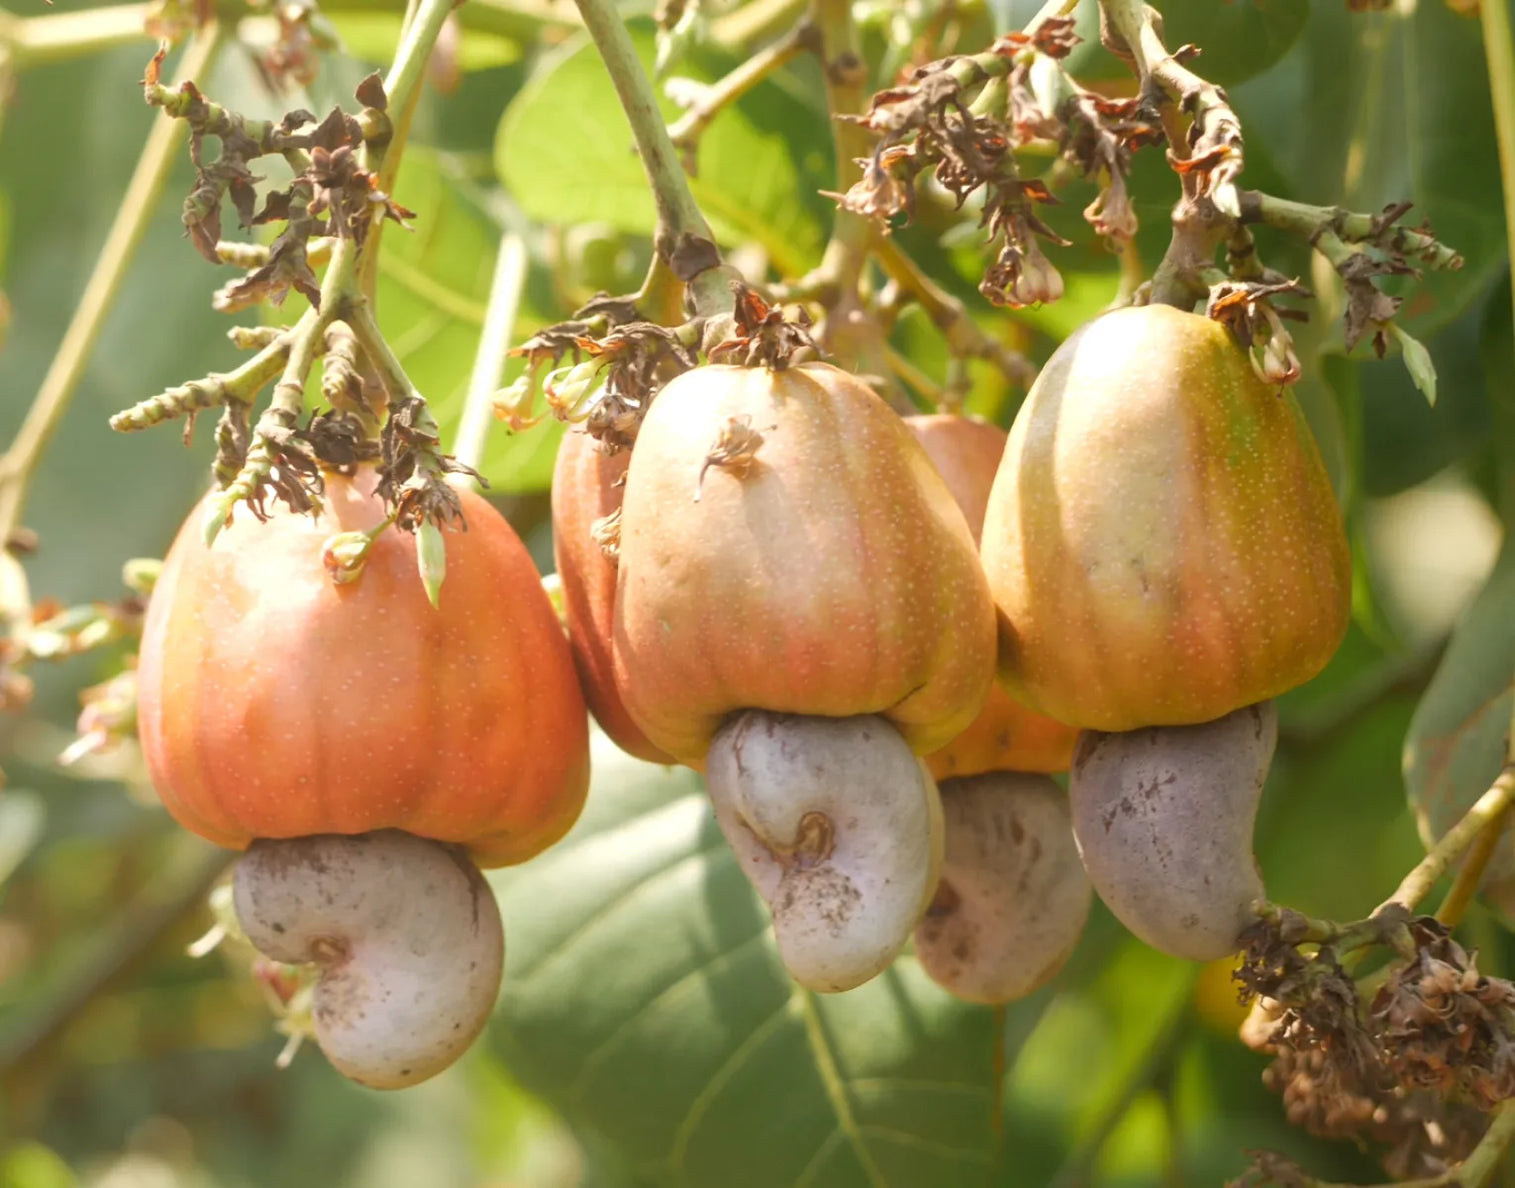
592, 1061
610, 909
743, 1052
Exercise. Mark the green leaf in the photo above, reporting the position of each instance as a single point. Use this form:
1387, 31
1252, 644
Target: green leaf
373, 36
644, 998
1236, 39
1417, 363
1456, 744
565, 153
1371, 110
433, 288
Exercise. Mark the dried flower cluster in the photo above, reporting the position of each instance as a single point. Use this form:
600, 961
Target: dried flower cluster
1414, 1071
961, 119
330, 195
614, 375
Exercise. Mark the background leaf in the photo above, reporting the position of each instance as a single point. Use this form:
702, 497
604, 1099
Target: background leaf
644, 998
564, 153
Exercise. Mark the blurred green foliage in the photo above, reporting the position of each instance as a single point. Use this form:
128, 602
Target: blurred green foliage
645, 1013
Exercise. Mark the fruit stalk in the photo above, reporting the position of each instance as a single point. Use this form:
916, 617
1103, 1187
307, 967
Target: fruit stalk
402, 88
683, 238
1418, 883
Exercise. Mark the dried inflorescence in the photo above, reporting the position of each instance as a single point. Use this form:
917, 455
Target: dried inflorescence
1415, 1071
331, 195
614, 375
761, 336
1246, 308
412, 474
1442, 1025
961, 119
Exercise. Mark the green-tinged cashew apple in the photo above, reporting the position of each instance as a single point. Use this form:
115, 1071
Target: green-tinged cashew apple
787, 545
275, 703
1162, 539
1013, 895
1164, 819
586, 507
1007, 736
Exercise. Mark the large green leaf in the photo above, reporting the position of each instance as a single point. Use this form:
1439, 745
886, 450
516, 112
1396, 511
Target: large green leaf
564, 152
1456, 743
644, 998
1370, 109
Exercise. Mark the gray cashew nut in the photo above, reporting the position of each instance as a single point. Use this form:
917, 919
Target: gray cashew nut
1164, 817
838, 826
407, 936
1013, 895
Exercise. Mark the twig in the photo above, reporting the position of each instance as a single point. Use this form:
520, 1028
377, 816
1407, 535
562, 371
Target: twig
1470, 873
62, 36
1052, 8
402, 89
720, 94
1489, 807
683, 238
1310, 222
964, 336
132, 216
494, 343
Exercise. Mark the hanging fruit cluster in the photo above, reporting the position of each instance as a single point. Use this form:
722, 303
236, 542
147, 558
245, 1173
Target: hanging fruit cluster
877, 636
784, 584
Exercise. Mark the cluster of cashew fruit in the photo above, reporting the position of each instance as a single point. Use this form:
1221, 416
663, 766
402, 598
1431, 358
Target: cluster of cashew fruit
791, 589
814, 617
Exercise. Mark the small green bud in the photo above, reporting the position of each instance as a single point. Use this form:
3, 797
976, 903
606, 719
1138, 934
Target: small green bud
431, 559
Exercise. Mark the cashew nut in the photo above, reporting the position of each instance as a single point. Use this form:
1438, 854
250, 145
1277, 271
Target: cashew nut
405, 932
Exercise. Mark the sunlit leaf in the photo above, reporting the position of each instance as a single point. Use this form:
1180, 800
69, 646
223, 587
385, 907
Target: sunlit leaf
565, 154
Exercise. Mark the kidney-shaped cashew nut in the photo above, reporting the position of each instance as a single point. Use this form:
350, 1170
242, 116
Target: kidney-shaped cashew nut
839, 827
1013, 896
405, 932
1164, 820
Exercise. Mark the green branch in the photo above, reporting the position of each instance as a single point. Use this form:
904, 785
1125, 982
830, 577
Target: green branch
683, 238
1489, 808
63, 36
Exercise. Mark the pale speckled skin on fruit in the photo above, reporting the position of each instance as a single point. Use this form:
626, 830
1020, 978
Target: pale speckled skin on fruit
274, 703
1162, 539
585, 488
1013, 897
841, 916
407, 935
836, 576
1007, 735
1163, 818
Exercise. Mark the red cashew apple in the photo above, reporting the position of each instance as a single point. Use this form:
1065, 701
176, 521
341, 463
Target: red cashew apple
586, 502
797, 584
